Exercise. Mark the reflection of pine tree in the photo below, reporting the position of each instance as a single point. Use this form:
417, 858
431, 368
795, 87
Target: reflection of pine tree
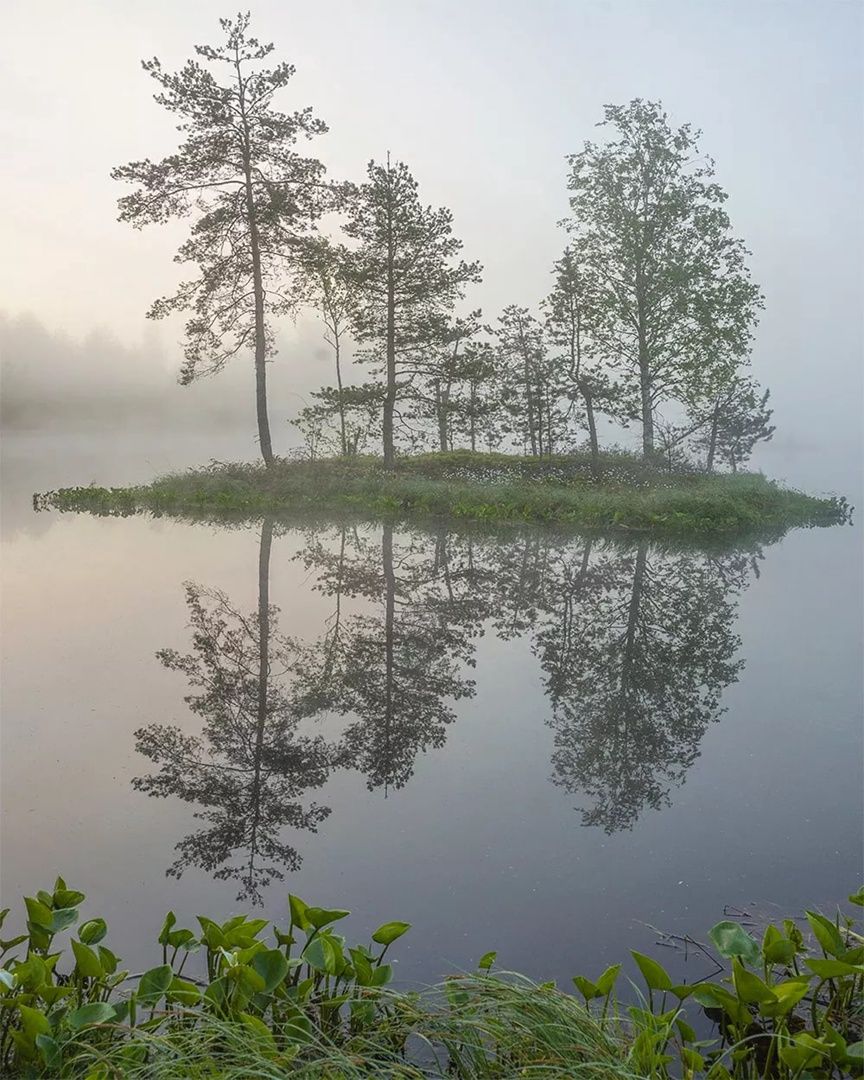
393, 671
248, 769
637, 652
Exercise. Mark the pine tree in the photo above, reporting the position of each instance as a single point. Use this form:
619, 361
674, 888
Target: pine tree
254, 199
404, 279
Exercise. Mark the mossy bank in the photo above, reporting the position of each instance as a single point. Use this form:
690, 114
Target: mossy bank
622, 494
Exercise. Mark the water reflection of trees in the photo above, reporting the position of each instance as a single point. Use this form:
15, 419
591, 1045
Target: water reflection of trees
637, 649
249, 768
394, 669
635, 646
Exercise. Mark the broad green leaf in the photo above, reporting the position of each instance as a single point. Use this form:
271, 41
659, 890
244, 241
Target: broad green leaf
321, 917
711, 995
182, 939
34, 1022
826, 933
38, 913
97, 1012
586, 988
730, 940
750, 987
320, 954
107, 959
218, 992
86, 961
181, 992
92, 931
362, 967
243, 934
776, 948
788, 994
68, 898
211, 933
833, 969
607, 979
31, 973
653, 973
50, 1050
248, 978
63, 917
7, 979
272, 966
298, 912
854, 898
687, 1032
486, 961
167, 925
382, 975
153, 984
389, 932
259, 1029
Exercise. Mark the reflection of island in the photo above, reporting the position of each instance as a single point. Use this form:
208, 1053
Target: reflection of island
249, 769
636, 646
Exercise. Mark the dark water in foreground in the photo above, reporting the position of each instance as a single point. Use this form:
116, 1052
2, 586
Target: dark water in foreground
520, 740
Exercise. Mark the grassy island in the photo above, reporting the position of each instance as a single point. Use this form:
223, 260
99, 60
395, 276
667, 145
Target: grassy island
623, 493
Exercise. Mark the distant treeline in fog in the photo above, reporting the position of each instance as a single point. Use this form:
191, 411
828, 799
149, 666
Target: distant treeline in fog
51, 381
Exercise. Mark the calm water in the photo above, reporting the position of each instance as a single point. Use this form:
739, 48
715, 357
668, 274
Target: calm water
520, 740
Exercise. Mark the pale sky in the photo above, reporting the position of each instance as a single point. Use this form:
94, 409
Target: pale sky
483, 100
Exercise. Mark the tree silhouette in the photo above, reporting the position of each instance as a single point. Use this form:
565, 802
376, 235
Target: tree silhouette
675, 307
403, 278
257, 199
248, 769
637, 651
391, 671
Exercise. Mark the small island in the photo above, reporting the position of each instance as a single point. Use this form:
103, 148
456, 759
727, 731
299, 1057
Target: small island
613, 492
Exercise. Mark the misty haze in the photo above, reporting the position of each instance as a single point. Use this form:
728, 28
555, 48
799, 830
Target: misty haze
431, 442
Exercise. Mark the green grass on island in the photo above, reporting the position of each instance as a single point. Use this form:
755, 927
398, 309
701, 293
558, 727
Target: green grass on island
626, 494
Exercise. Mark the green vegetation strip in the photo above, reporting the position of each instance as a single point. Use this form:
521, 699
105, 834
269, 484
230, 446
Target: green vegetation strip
225, 1001
491, 487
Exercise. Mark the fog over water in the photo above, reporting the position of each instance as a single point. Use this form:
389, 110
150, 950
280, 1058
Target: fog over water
588, 732
483, 101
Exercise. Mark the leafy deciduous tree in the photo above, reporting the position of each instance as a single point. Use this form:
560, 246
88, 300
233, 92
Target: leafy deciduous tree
677, 305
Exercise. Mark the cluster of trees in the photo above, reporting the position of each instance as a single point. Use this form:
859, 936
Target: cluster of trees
648, 321
635, 647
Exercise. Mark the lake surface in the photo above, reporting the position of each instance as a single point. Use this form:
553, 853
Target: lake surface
547, 744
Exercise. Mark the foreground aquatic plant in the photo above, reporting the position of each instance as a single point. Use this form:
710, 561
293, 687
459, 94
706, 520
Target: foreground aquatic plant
310, 1005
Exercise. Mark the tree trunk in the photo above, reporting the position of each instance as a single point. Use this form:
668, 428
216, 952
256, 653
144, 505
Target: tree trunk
342, 433
529, 399
712, 442
260, 335
472, 423
442, 403
263, 680
633, 612
645, 386
389, 620
390, 393
592, 432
